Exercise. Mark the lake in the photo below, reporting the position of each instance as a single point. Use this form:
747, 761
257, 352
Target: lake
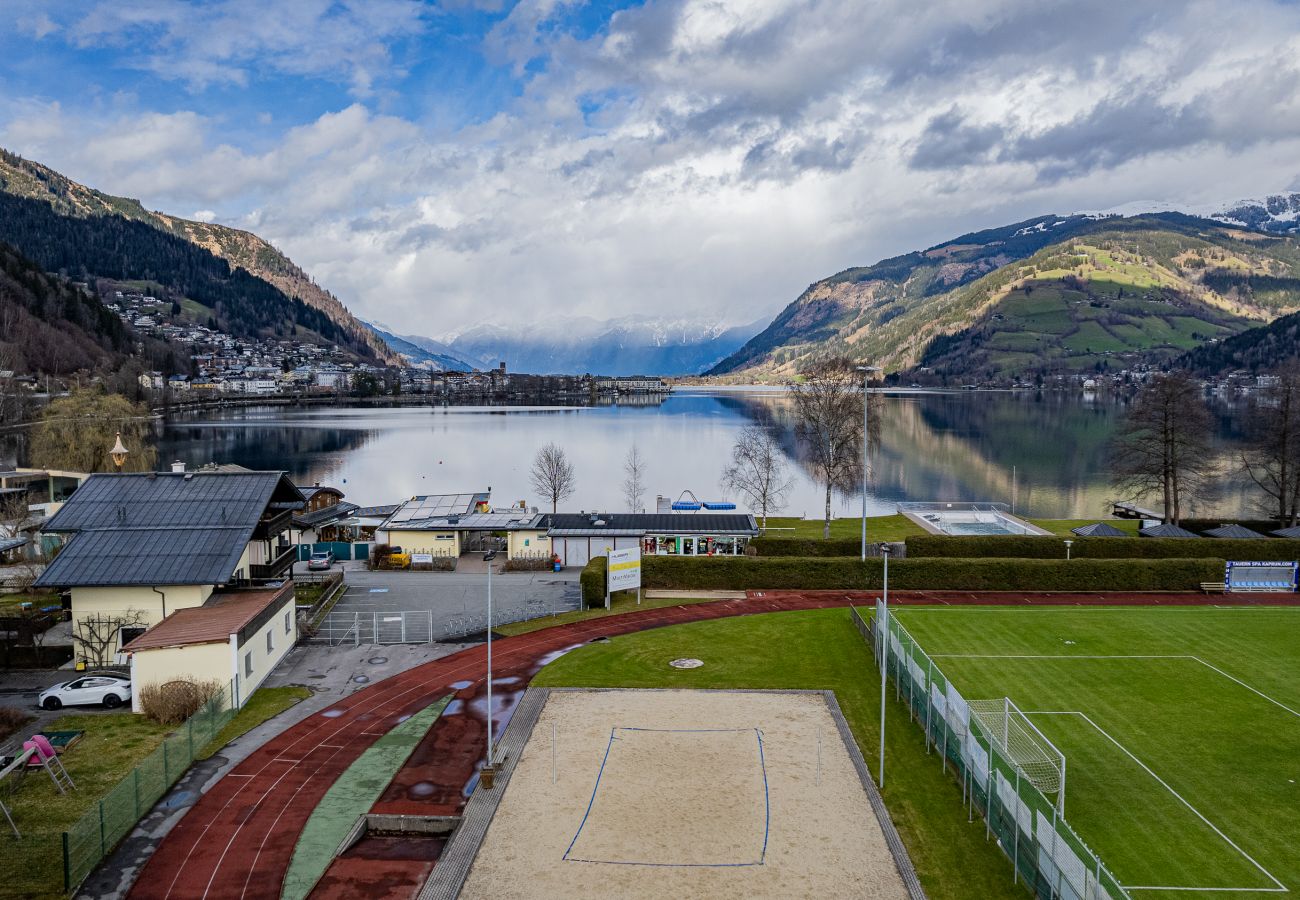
935, 446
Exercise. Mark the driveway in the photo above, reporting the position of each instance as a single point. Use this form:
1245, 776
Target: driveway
458, 602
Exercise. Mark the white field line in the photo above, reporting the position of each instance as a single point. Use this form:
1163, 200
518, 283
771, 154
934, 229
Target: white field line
1256, 691
1280, 887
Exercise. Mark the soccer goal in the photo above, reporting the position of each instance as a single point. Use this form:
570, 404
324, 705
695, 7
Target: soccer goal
1020, 741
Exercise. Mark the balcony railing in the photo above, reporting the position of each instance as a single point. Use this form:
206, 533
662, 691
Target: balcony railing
271, 525
283, 562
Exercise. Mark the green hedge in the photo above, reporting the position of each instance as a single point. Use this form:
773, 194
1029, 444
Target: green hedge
795, 573
790, 546
593, 582
1035, 547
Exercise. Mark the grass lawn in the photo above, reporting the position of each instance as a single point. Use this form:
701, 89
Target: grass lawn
879, 528
266, 703
1180, 728
11, 604
1063, 526
113, 744
620, 602
816, 649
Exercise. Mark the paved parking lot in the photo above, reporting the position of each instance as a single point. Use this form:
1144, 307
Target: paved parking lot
453, 603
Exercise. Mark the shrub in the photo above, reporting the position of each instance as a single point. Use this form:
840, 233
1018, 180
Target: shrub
172, 702
802, 573
818, 547
1038, 547
12, 719
528, 564
593, 581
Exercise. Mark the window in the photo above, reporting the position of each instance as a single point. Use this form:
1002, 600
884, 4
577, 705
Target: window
270, 640
248, 664
128, 633
288, 623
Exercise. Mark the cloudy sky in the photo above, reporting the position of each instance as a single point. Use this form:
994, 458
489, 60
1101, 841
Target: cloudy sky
438, 164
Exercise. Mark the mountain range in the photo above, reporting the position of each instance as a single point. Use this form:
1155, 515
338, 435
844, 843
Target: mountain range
631, 345
249, 288
1050, 295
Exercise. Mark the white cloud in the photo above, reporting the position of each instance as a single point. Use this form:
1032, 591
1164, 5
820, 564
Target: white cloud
705, 156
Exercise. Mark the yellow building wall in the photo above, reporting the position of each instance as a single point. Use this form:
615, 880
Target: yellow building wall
283, 629
538, 544
193, 662
120, 601
439, 543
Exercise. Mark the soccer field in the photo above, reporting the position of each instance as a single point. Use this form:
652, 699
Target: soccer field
1180, 728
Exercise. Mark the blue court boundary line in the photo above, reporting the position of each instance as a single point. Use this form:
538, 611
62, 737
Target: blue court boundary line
767, 803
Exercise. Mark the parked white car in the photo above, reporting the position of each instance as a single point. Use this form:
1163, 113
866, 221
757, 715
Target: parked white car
109, 691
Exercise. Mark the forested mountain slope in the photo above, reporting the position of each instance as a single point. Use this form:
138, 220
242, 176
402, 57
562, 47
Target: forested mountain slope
1048, 295
125, 250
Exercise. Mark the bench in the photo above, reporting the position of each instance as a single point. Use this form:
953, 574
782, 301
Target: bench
1214, 587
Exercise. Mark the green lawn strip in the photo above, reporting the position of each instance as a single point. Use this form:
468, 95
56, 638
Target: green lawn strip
895, 527
266, 703
1225, 749
1063, 526
817, 650
620, 602
351, 796
110, 747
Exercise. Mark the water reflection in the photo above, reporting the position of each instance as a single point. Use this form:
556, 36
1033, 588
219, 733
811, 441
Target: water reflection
935, 446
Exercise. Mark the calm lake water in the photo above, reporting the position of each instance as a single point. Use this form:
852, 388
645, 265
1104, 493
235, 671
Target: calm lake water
935, 446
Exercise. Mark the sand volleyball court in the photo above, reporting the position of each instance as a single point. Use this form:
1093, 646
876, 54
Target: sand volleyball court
686, 794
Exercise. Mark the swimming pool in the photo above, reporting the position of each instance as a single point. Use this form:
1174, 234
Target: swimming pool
967, 519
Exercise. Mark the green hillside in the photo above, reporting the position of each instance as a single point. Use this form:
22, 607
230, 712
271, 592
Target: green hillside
1051, 295
26, 180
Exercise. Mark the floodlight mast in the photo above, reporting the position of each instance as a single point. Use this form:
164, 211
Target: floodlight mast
884, 656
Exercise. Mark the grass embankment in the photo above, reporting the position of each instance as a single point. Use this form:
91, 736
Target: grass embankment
111, 746
819, 650
620, 602
265, 704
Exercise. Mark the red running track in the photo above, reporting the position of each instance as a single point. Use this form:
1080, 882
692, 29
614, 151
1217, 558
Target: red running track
238, 839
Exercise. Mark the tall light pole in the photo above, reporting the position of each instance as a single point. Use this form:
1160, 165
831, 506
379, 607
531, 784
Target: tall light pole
488, 557
884, 656
867, 372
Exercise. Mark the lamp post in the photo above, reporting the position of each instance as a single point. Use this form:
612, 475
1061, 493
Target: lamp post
489, 771
884, 656
1067, 549
119, 452
867, 372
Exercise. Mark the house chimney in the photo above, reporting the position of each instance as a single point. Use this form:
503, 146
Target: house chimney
178, 466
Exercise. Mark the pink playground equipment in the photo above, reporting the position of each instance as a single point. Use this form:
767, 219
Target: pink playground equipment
37, 752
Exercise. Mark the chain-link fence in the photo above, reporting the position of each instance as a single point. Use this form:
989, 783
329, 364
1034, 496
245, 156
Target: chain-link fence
95, 835
1046, 852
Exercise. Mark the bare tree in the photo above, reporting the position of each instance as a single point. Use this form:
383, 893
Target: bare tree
758, 471
96, 636
552, 475
1162, 446
828, 422
1272, 454
634, 478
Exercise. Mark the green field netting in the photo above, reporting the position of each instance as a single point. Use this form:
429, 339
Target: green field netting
972, 738
111, 819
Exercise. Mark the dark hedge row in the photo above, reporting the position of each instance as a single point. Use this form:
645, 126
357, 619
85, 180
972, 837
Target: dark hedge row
785, 546
593, 582
1034, 547
795, 573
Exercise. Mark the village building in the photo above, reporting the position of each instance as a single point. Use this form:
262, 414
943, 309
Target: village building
140, 547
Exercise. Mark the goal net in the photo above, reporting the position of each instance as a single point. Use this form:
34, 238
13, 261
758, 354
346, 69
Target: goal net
1020, 741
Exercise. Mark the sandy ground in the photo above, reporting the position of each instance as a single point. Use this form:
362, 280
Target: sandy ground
702, 794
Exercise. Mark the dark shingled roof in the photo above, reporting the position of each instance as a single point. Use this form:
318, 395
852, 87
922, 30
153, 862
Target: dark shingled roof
649, 523
1099, 529
1292, 532
1167, 530
172, 499
13, 543
325, 515
153, 556
161, 528
1232, 531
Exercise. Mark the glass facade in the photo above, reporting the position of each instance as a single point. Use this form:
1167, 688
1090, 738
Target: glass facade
692, 545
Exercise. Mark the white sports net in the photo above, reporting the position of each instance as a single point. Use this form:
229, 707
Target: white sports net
1021, 742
